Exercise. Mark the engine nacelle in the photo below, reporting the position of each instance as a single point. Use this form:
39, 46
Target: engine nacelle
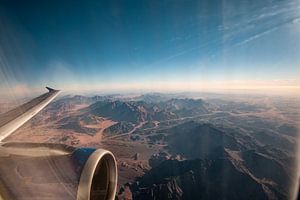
56, 171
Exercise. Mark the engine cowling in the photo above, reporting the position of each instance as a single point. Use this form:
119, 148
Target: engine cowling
56, 171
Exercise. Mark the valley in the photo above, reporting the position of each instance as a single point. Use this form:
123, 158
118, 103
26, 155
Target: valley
180, 146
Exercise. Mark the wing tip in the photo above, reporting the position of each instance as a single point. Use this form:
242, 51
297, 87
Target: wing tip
51, 89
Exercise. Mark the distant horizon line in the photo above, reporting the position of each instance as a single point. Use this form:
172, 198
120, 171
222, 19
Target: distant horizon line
20, 92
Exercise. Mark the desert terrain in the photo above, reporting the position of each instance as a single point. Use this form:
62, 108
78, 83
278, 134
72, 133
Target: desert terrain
181, 146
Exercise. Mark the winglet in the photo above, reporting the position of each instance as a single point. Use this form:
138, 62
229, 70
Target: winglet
50, 89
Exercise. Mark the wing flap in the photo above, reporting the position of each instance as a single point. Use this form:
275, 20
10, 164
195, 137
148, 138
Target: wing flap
13, 119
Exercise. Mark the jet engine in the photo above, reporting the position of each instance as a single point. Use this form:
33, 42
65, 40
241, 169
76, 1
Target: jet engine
56, 171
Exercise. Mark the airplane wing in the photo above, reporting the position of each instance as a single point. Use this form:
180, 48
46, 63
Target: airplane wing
51, 171
12, 120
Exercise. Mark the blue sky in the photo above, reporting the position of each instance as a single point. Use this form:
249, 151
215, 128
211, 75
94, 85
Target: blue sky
77, 45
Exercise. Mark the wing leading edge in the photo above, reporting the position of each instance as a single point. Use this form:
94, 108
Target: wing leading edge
13, 119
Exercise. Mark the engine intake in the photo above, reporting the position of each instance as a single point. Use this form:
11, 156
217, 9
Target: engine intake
99, 177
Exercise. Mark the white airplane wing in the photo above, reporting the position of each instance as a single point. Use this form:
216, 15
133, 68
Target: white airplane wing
48, 170
13, 119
